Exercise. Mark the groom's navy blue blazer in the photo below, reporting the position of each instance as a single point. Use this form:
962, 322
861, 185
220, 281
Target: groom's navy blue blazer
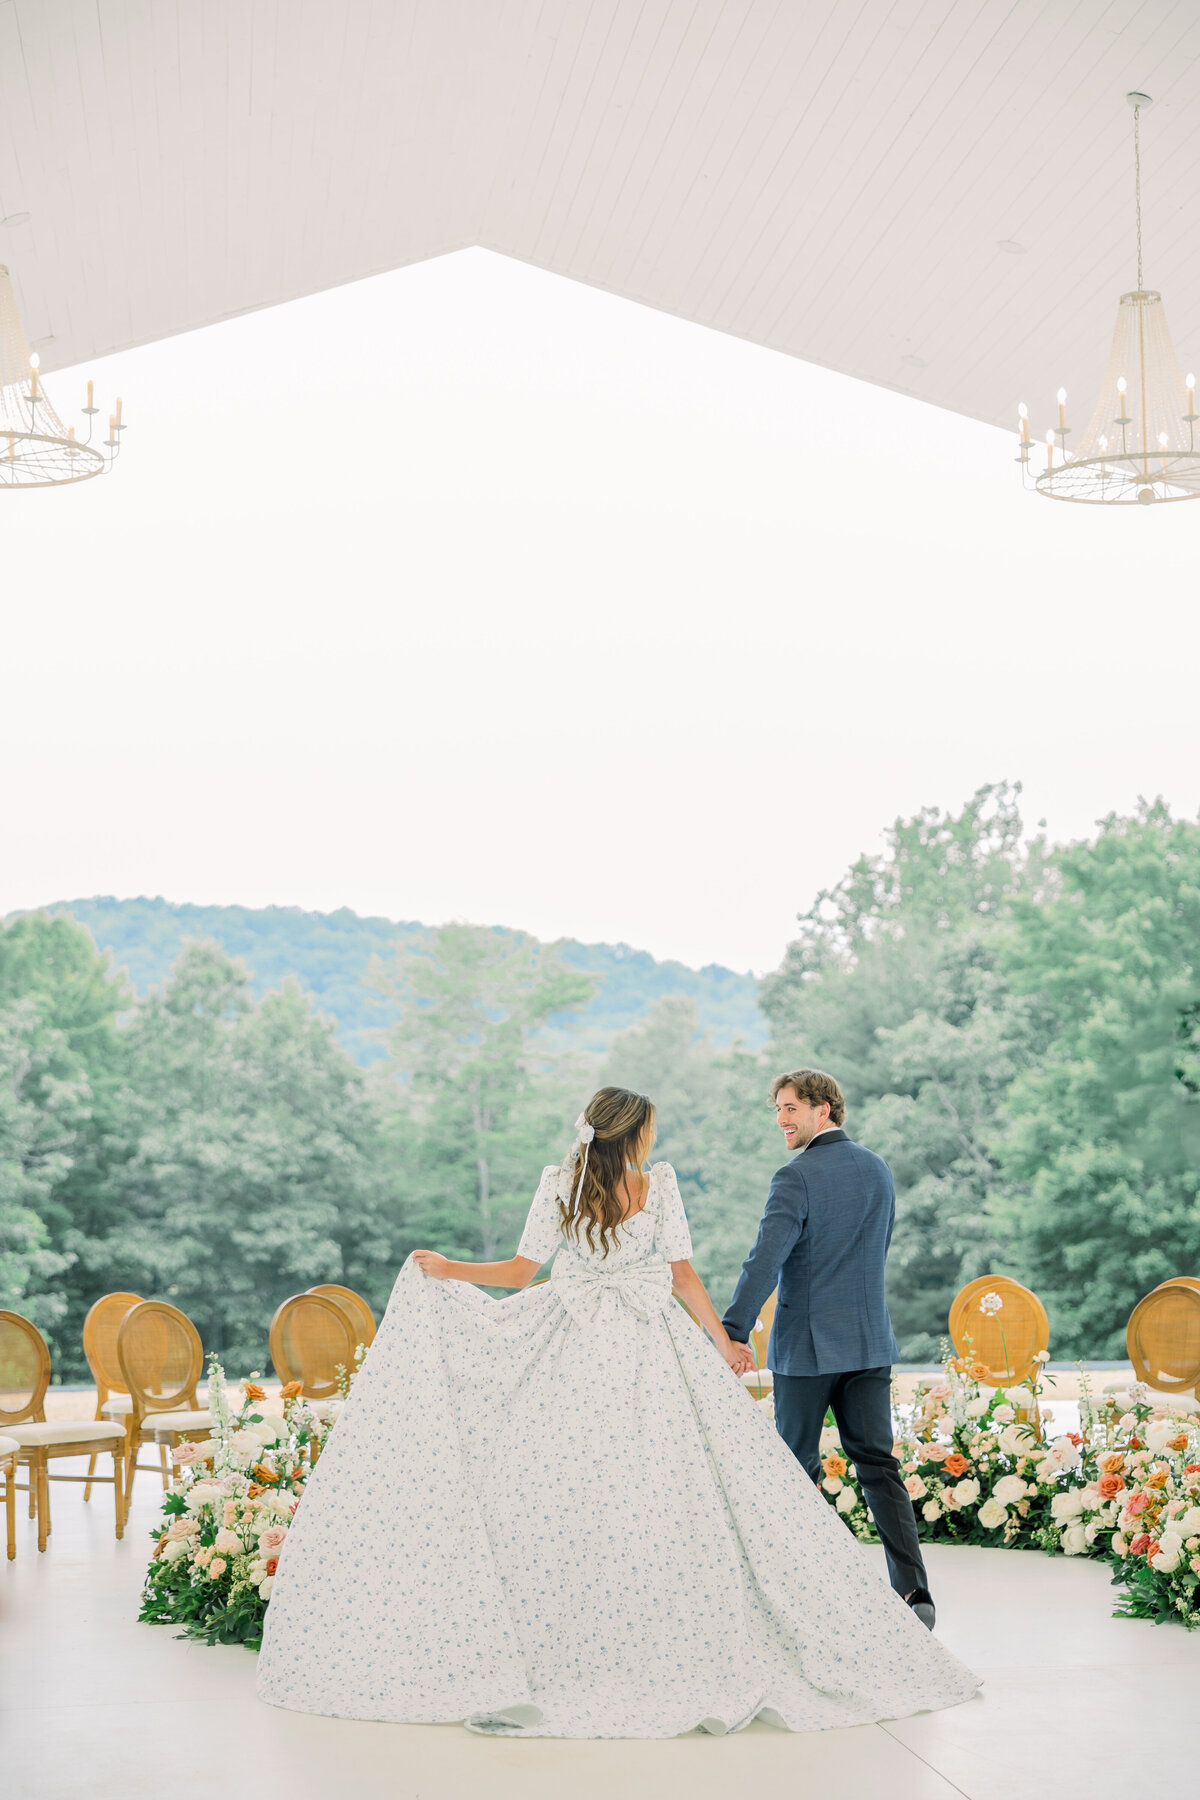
824, 1239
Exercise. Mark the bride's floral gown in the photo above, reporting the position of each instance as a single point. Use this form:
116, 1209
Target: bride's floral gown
561, 1515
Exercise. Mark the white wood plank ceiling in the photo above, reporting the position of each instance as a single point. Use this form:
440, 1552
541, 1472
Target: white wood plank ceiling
834, 179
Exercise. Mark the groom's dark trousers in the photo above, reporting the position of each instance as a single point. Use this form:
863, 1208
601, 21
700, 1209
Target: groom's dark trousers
824, 1241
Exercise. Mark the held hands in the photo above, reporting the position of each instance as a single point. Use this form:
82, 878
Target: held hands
430, 1263
740, 1357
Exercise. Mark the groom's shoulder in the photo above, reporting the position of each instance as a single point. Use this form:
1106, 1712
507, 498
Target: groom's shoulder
869, 1160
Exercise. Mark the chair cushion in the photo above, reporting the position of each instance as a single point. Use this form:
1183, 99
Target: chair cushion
7, 1447
165, 1422
117, 1406
63, 1431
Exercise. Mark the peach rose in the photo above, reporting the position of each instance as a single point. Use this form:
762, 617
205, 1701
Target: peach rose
937, 1453
217, 1567
957, 1464
1178, 1442
1109, 1486
1137, 1503
914, 1487
1112, 1463
1158, 1478
834, 1465
252, 1390
272, 1539
290, 1389
1140, 1544
266, 1476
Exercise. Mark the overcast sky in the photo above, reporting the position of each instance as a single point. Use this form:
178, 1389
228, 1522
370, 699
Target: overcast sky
466, 592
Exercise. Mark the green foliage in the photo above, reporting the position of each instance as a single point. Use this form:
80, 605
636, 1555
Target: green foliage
476, 1108
1102, 1144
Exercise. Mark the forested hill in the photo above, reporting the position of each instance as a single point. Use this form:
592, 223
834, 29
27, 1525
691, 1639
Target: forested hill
330, 954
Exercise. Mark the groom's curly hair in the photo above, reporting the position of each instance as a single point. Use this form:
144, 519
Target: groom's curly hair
814, 1086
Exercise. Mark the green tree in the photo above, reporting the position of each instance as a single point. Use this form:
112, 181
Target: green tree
1102, 1146
250, 1155
476, 1106
40, 1117
897, 984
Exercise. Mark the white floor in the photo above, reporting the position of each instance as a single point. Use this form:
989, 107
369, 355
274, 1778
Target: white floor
96, 1706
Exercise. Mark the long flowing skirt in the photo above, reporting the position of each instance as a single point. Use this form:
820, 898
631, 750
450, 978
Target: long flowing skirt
547, 1528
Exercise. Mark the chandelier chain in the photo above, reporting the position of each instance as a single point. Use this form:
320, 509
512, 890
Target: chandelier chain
1137, 183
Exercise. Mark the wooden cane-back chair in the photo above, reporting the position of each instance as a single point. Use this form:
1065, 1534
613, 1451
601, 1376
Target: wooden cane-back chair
361, 1316
1005, 1343
9, 1449
24, 1378
310, 1336
100, 1347
961, 1315
160, 1355
1163, 1337
761, 1382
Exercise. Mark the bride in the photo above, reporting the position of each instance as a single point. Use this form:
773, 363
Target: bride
561, 1514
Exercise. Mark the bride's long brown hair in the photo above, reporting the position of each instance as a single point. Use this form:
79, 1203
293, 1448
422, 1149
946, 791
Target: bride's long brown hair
624, 1126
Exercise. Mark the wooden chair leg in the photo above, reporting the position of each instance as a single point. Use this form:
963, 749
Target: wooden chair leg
10, 1511
87, 1491
32, 1494
119, 1491
162, 1457
43, 1499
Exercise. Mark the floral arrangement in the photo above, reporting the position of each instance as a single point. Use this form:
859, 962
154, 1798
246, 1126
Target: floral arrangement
227, 1515
979, 1470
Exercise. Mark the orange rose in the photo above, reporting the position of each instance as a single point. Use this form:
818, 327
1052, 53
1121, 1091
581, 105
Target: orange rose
253, 1491
268, 1477
1113, 1463
979, 1371
272, 1565
1179, 1442
1158, 1479
1109, 1486
956, 1464
290, 1389
252, 1390
834, 1465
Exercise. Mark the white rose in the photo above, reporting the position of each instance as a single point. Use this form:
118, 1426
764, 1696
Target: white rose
174, 1550
1015, 1440
247, 1443
829, 1440
270, 1430
1167, 1565
202, 1493
265, 1586
991, 1514
1065, 1454
931, 1511
832, 1484
1066, 1504
977, 1407
1074, 1539
1189, 1524
1005, 1414
1119, 1544
1169, 1544
1009, 1489
847, 1500
1090, 1497
967, 1491
1157, 1433
1091, 1530
1126, 1422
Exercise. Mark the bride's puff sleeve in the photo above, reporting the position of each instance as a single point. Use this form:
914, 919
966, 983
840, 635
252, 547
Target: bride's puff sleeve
543, 1231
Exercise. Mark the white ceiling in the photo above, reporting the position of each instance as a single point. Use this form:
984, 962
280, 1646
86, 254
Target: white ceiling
830, 178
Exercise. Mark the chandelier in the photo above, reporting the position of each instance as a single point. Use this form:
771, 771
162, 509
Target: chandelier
1140, 443
36, 448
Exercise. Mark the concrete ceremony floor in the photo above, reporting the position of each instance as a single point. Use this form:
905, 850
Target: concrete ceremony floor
94, 1706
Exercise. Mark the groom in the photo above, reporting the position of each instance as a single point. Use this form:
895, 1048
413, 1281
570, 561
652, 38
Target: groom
824, 1241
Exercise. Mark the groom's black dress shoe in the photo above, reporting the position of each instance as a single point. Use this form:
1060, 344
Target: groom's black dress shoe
921, 1601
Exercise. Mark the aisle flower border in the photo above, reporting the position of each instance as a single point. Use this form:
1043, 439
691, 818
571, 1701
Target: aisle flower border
1125, 1489
227, 1514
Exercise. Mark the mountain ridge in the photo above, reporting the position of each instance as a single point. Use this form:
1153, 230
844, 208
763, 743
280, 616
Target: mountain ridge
330, 953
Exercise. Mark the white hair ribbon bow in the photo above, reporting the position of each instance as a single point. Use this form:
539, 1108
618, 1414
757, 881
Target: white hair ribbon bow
585, 1133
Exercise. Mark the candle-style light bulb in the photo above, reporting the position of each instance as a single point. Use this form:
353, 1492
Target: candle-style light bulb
90, 400
1163, 440
1022, 410
1190, 385
1104, 443
35, 361
119, 426
1121, 384
1050, 449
